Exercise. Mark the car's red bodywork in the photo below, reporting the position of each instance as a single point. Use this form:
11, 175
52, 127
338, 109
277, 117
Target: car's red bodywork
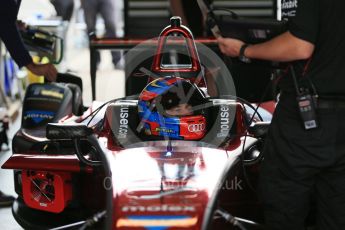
150, 185
155, 184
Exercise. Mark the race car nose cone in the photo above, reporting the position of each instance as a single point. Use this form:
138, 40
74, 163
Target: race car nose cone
175, 21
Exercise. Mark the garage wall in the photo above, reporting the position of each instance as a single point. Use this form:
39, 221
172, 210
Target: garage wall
249, 8
147, 18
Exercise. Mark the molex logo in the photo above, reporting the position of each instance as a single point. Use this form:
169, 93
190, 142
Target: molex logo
195, 128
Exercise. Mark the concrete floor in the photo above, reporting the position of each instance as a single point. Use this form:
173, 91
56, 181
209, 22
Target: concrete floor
110, 82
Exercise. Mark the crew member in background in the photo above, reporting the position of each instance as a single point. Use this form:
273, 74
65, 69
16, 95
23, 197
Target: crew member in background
304, 160
106, 9
63, 8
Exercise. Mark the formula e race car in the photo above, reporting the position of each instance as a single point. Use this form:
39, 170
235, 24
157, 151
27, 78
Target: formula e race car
169, 158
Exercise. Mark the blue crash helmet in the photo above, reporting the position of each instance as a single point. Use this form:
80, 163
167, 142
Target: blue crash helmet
163, 94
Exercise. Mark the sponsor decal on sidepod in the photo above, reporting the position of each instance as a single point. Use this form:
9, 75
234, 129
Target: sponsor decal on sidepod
224, 121
123, 127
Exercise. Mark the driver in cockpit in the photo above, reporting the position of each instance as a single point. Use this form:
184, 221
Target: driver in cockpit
172, 107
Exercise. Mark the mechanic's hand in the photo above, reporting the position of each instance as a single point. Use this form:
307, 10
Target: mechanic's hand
229, 46
47, 70
21, 25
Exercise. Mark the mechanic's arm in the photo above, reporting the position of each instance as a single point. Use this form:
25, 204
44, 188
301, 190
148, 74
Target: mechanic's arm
9, 34
283, 48
177, 10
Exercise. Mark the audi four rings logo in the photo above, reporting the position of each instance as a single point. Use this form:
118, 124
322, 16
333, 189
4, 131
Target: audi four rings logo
196, 128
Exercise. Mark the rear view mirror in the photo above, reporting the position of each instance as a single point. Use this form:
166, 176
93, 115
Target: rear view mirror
65, 131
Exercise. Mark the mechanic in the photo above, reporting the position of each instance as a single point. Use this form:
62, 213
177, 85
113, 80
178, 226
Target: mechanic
304, 163
9, 34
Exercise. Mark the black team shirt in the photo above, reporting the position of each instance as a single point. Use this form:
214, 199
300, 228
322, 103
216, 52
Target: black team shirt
321, 22
9, 33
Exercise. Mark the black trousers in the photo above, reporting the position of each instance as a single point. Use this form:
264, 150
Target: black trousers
302, 167
106, 9
63, 8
